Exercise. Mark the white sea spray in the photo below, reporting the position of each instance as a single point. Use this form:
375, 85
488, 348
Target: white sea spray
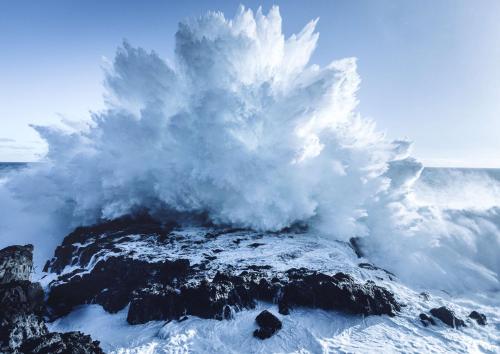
242, 128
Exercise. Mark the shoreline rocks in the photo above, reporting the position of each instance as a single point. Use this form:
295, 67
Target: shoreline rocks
21, 302
22, 308
109, 270
164, 273
16, 263
426, 320
268, 324
61, 343
478, 317
447, 316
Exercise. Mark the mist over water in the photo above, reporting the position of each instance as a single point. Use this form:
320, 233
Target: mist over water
242, 128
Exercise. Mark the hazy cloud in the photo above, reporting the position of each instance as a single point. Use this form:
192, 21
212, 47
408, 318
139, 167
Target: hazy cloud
14, 147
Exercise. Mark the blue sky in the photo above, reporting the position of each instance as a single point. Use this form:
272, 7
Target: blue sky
430, 68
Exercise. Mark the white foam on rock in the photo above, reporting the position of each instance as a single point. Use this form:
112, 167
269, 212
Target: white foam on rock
304, 330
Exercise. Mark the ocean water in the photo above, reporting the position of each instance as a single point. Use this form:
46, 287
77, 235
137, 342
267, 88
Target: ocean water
9, 167
434, 175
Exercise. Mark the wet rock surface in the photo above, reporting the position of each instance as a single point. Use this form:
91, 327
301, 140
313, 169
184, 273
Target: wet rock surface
447, 316
269, 324
21, 301
111, 283
61, 343
478, 317
426, 320
108, 268
22, 305
16, 263
337, 292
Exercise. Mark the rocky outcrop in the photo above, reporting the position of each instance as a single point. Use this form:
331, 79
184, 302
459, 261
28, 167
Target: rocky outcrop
269, 324
426, 320
22, 306
478, 317
21, 313
102, 237
21, 301
171, 289
111, 271
447, 316
205, 299
111, 283
61, 343
337, 292
16, 263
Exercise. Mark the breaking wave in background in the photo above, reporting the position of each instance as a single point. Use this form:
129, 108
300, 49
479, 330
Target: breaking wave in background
241, 129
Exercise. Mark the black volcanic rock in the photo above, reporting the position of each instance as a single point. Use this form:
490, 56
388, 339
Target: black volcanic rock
426, 320
164, 275
111, 283
157, 302
16, 263
22, 307
205, 299
18, 328
269, 324
167, 295
447, 316
21, 301
478, 317
61, 343
338, 292
21, 297
103, 235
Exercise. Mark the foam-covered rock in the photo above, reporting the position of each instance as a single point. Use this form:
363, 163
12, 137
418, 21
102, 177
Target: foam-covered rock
62, 343
22, 310
125, 261
21, 301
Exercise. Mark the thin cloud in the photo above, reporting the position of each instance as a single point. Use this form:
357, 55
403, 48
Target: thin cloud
13, 147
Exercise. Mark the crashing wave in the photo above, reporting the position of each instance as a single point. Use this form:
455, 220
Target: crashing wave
240, 128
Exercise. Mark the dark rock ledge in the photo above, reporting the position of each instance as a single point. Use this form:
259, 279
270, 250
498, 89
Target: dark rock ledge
22, 307
169, 288
479, 318
449, 318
